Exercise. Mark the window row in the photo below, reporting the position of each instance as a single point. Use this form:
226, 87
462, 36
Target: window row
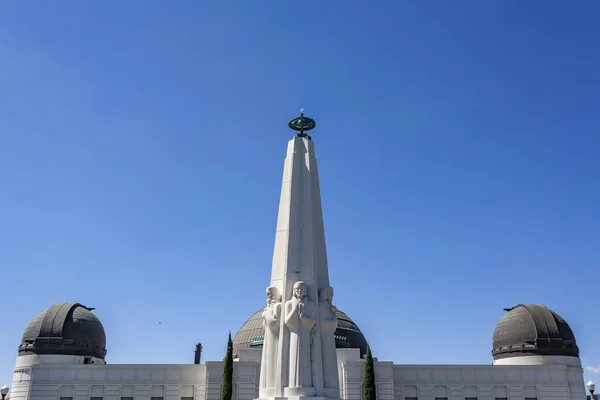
466, 398
126, 398
128, 392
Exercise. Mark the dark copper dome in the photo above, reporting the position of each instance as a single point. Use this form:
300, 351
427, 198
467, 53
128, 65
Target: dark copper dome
533, 329
65, 329
347, 334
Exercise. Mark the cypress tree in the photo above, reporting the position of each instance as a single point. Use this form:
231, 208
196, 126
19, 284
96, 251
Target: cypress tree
370, 389
227, 388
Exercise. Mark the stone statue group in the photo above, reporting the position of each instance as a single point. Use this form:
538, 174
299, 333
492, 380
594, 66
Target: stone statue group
311, 335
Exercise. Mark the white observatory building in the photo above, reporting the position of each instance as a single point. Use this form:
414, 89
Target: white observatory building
63, 349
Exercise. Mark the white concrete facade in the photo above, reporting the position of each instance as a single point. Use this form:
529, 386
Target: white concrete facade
64, 381
299, 255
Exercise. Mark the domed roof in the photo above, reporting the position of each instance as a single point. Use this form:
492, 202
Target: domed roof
347, 335
533, 329
65, 329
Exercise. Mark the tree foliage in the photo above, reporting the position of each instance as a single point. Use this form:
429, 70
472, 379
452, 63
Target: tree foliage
370, 388
227, 388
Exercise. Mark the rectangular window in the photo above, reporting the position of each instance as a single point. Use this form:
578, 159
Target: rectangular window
441, 398
500, 398
187, 392
127, 392
158, 392
411, 398
530, 398
470, 398
97, 392
66, 398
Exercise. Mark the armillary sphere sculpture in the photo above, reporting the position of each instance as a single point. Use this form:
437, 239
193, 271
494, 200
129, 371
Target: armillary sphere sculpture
302, 124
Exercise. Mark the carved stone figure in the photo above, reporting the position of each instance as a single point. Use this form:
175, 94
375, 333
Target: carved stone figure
271, 320
300, 320
328, 324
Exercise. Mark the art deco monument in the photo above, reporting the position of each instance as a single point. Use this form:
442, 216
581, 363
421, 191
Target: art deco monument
62, 354
299, 354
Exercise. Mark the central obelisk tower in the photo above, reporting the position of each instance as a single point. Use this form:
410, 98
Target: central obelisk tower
299, 357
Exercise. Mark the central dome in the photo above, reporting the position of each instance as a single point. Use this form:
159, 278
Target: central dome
347, 335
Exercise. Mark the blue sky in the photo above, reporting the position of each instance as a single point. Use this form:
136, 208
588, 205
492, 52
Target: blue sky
142, 145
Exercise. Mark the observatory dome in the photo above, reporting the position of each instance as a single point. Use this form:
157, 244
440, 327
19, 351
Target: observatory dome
533, 330
65, 329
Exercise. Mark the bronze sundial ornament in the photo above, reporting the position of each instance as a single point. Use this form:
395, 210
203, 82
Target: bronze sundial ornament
302, 124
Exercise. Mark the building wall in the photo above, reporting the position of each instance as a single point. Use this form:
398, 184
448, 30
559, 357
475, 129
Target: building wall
22, 376
113, 382
203, 382
132, 382
460, 382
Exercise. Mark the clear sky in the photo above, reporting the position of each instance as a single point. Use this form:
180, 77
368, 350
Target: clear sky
142, 145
